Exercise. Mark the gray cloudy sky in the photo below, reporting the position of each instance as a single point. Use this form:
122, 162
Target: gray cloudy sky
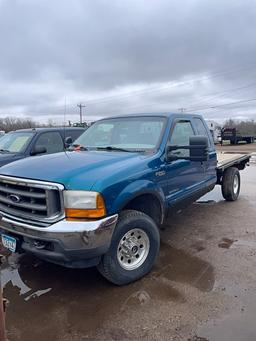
126, 56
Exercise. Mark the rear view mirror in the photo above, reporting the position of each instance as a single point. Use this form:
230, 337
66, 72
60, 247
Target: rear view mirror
38, 150
68, 141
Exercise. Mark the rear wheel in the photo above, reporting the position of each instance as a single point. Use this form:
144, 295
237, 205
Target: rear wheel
231, 184
133, 250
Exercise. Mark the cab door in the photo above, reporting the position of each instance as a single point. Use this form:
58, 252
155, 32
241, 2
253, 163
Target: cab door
184, 176
51, 140
209, 166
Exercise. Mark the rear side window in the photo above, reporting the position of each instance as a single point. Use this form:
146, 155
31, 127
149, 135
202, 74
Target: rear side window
52, 141
200, 127
180, 137
74, 134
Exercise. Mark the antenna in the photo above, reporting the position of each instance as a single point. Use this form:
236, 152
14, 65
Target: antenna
65, 112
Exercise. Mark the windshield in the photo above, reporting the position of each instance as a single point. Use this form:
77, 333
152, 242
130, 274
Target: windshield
15, 142
127, 133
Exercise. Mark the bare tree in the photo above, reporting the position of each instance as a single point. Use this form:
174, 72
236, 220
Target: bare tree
247, 127
13, 123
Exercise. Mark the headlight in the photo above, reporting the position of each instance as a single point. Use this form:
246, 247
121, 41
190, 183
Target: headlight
84, 204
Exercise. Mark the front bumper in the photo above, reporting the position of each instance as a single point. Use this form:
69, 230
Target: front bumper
69, 243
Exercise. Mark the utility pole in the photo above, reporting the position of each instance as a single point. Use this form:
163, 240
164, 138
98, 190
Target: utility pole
81, 106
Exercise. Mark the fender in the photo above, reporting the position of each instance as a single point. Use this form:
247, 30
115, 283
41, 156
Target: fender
136, 189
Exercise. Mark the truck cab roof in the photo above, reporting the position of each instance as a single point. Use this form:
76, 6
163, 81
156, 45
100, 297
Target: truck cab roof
45, 129
162, 114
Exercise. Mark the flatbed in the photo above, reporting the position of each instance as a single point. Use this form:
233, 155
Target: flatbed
234, 136
230, 160
225, 160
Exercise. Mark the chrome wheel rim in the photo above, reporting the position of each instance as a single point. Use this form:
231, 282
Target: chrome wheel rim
133, 249
236, 184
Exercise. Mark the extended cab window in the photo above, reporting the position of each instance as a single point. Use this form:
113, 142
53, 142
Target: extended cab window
180, 137
52, 141
200, 127
73, 133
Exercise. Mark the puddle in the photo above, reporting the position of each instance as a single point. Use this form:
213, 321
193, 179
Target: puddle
239, 326
253, 158
62, 298
212, 197
250, 244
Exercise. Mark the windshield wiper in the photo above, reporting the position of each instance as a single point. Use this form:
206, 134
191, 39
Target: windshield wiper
4, 151
120, 149
114, 148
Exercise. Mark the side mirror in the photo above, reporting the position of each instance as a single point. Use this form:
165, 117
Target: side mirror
198, 150
38, 150
68, 141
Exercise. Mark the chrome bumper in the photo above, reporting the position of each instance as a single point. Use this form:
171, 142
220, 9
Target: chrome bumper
70, 240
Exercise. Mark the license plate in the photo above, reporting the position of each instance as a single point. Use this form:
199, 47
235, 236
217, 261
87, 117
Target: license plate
9, 242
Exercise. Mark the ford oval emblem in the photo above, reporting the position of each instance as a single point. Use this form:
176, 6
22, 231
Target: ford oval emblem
14, 198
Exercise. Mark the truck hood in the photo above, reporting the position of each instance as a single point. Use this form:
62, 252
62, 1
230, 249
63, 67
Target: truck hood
75, 170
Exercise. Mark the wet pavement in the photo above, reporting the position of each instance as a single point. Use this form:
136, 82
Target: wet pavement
202, 287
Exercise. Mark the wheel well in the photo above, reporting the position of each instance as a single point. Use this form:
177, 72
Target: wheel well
148, 204
239, 166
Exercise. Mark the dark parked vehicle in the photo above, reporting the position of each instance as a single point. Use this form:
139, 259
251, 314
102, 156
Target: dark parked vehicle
234, 136
22, 143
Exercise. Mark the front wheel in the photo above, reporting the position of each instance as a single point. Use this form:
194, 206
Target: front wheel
231, 184
133, 250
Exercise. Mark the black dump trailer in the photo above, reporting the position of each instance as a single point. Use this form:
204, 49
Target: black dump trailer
234, 137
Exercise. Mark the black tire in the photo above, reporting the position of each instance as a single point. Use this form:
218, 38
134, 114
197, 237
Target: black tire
110, 266
231, 184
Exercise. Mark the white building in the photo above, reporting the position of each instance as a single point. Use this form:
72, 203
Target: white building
215, 130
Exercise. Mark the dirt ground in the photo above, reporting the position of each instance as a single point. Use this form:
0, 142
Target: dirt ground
239, 148
202, 288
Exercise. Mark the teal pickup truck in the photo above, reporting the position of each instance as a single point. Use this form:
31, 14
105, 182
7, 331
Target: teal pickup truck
102, 203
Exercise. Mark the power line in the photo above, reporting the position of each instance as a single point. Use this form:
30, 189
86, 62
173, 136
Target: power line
210, 105
222, 93
165, 87
222, 105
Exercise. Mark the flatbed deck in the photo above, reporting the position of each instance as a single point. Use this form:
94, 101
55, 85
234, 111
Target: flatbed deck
225, 160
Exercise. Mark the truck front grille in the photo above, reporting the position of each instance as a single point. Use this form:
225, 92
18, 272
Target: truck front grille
30, 200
